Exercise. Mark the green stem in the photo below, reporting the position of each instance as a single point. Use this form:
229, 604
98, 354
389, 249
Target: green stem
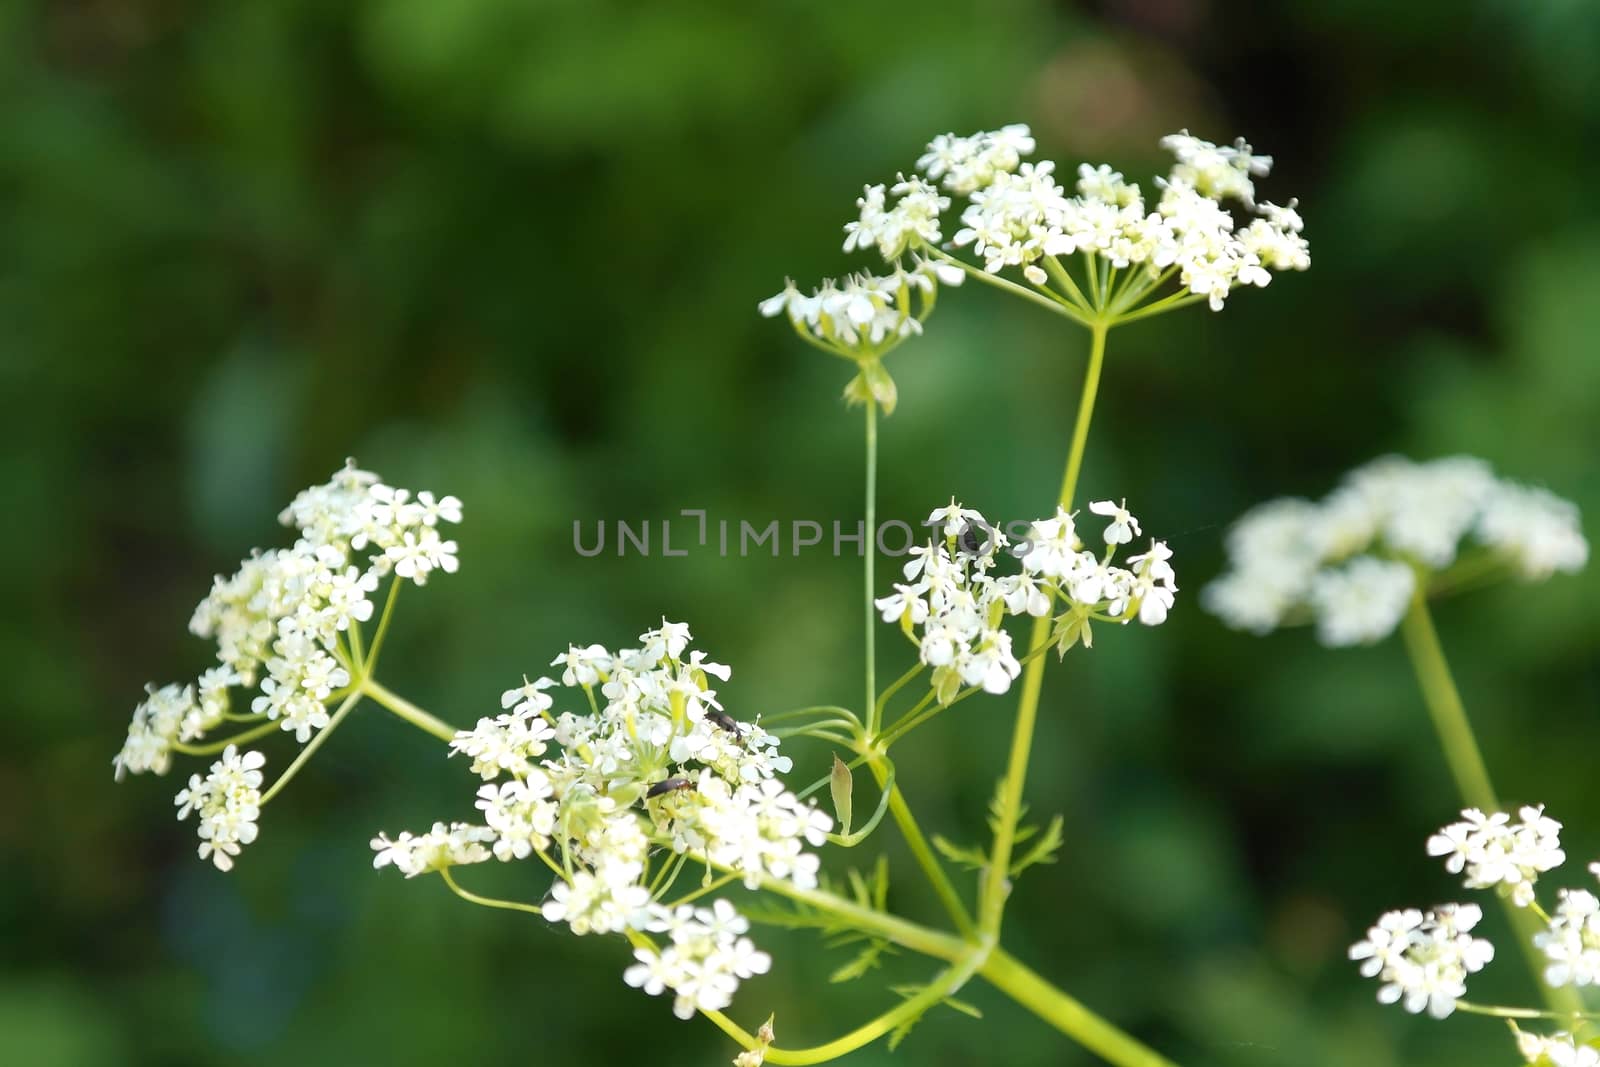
407, 710
947, 984
487, 902
211, 748
1521, 1013
1064, 1013
894, 687
996, 875
371, 661
911, 720
870, 552
710, 887
1182, 298
1059, 306
1063, 278
1467, 767
1444, 704
918, 844
902, 932
312, 746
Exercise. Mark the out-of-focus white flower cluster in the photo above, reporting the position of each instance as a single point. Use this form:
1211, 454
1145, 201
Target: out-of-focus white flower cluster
1017, 215
650, 773
1497, 854
954, 606
281, 621
1423, 959
1350, 560
1556, 1050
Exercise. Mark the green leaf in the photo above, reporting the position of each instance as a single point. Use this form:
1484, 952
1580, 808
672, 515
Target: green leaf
1041, 851
869, 958
840, 785
970, 857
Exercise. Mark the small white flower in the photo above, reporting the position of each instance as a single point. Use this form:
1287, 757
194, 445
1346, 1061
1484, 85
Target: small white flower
1572, 941
1423, 960
1498, 854
529, 698
441, 847
1123, 527
227, 802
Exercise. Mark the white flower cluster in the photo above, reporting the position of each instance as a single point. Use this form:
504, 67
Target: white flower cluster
1498, 854
864, 312
649, 773
1556, 1050
707, 956
959, 606
280, 620
1017, 214
227, 802
1350, 561
1423, 959
1572, 941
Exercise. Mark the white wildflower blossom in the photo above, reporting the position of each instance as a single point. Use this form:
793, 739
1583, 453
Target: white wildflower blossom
282, 625
1217, 171
1572, 941
912, 223
1123, 527
966, 164
703, 963
1556, 1050
1350, 562
227, 802
1496, 853
1423, 960
953, 603
864, 311
628, 767
521, 814
452, 845
158, 721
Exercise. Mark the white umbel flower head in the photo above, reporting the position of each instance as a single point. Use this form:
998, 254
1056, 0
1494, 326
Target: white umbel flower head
954, 604
1362, 601
227, 802
1496, 853
1572, 941
1350, 562
283, 622
1423, 959
443, 846
1556, 1050
707, 958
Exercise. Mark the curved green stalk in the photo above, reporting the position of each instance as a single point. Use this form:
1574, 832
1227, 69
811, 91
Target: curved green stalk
211, 748
947, 984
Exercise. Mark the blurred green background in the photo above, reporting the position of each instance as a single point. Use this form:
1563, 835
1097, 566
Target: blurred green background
512, 250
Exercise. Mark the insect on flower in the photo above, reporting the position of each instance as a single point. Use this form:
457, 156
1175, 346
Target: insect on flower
725, 721
671, 785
